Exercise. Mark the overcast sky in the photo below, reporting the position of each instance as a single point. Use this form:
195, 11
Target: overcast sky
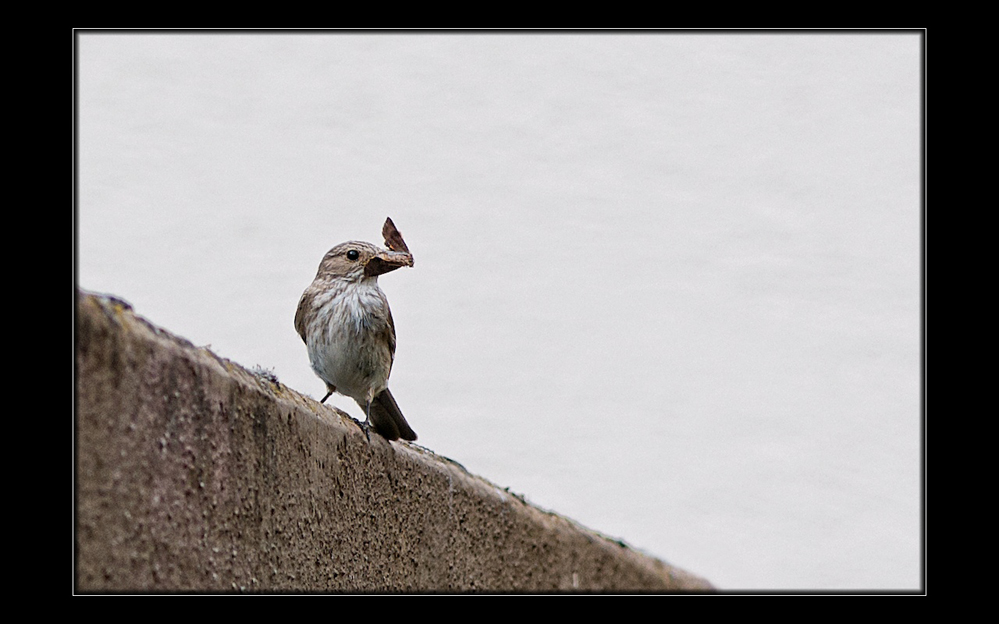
666, 284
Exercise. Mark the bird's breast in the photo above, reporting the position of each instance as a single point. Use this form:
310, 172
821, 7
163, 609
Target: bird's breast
349, 339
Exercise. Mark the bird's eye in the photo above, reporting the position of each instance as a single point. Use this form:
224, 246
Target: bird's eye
353, 254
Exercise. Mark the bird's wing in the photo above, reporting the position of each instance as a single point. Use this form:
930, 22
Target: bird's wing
300, 317
390, 330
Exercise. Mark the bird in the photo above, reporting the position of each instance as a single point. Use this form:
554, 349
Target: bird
345, 321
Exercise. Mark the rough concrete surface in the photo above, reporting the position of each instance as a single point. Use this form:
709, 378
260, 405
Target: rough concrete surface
194, 474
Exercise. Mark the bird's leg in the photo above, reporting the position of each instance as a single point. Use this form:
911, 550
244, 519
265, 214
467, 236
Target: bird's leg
367, 422
329, 390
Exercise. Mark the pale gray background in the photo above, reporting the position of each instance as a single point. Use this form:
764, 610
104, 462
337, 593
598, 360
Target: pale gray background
666, 284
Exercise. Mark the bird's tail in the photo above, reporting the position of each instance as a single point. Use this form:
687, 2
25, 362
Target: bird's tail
387, 418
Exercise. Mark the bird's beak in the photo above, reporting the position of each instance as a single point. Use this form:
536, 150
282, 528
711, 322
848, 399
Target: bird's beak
386, 261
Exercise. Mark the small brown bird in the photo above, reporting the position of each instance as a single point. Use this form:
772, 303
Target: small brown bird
345, 321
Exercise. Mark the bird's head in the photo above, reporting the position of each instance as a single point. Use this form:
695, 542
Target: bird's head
356, 261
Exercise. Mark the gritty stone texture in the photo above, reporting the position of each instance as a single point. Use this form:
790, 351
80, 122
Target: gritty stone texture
194, 474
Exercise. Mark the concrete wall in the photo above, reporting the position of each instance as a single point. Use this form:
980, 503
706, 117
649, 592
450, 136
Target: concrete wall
194, 474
